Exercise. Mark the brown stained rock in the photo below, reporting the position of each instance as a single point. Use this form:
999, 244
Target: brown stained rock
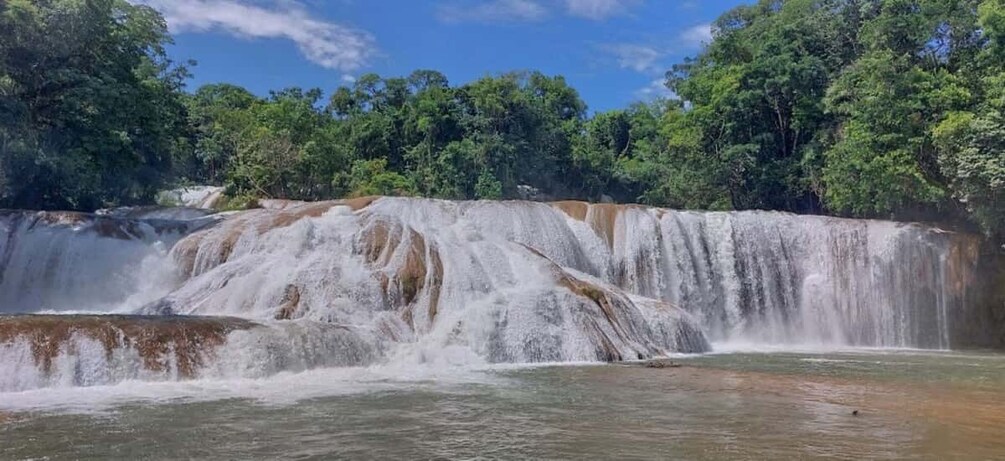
607, 352
602, 217
411, 275
605, 300
356, 203
575, 210
290, 303
380, 239
404, 264
279, 213
408, 316
964, 254
384, 282
61, 218
124, 230
10, 418
228, 244
598, 295
436, 284
158, 340
185, 251
277, 204
579, 287
289, 216
388, 330
359, 203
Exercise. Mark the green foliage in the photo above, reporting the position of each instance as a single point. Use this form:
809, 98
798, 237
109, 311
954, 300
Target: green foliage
237, 202
218, 114
992, 22
872, 108
91, 111
488, 187
415, 136
370, 177
972, 157
878, 165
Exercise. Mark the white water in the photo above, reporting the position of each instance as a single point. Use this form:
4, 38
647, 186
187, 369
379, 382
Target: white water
193, 197
262, 351
438, 284
69, 262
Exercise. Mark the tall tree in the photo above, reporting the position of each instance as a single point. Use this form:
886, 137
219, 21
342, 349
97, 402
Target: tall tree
91, 107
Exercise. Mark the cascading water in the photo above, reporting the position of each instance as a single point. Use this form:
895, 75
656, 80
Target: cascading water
63, 261
294, 286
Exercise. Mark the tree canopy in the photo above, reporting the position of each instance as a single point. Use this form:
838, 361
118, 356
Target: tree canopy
91, 110
864, 108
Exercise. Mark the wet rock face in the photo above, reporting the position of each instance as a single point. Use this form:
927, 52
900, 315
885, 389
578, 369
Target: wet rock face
432, 276
982, 323
407, 268
176, 347
39, 351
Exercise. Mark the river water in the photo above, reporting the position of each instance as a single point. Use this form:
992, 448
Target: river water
736, 405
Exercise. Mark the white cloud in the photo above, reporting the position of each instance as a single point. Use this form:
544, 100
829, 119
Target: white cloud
639, 58
656, 89
599, 9
697, 36
325, 43
493, 11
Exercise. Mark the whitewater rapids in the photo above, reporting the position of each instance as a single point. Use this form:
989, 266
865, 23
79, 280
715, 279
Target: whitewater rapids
293, 286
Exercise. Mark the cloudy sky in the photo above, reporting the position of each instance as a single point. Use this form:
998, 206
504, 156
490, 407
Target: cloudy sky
613, 51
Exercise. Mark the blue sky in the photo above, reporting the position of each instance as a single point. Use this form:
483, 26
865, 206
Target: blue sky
613, 51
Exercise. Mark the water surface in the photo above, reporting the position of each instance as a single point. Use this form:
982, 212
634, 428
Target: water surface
721, 406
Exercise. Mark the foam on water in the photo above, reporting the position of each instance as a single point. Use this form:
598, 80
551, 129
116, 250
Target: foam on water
282, 389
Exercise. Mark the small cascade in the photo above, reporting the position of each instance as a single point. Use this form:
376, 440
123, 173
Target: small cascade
65, 261
39, 351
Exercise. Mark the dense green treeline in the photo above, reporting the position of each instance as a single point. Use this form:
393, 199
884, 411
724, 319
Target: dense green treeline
414, 135
869, 108
875, 108
91, 111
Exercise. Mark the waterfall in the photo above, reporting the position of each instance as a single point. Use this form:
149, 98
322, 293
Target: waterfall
63, 261
293, 286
